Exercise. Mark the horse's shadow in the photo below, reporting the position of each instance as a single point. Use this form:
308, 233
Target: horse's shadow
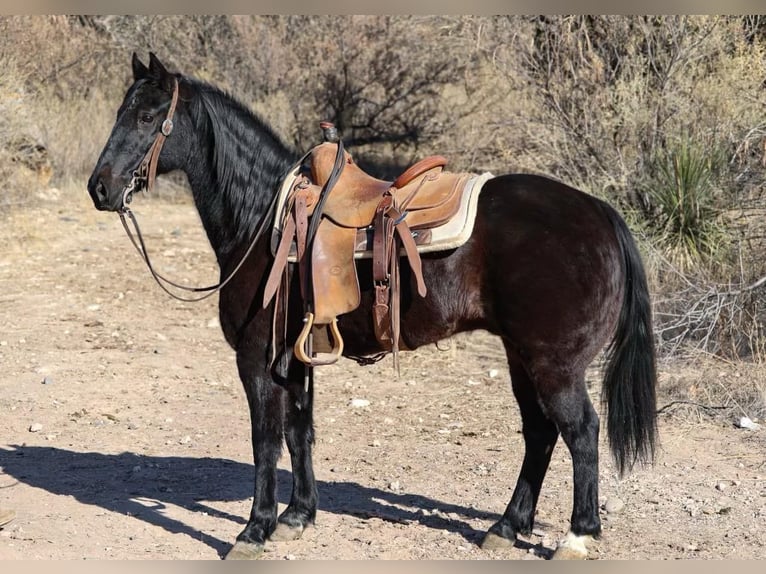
124, 483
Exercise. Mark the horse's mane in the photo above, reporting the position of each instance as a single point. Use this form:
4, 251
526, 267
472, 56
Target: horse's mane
248, 158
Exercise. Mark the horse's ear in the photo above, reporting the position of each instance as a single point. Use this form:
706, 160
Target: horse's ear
156, 68
139, 70
158, 71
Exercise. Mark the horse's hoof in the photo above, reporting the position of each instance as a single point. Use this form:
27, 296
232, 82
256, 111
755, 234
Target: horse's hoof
573, 547
244, 551
493, 541
284, 532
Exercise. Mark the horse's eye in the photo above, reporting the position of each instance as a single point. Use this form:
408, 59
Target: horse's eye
147, 118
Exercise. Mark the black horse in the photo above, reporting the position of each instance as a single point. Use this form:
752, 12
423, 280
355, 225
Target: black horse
552, 271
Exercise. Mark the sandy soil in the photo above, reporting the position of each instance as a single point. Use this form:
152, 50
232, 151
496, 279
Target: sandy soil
124, 430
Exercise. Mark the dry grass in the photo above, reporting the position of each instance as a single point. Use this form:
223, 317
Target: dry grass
705, 387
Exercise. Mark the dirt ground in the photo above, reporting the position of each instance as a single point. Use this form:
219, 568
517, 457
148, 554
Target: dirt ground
124, 430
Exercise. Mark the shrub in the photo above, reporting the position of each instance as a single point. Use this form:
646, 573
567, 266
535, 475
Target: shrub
683, 209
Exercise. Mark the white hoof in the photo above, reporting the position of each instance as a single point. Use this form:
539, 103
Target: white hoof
573, 547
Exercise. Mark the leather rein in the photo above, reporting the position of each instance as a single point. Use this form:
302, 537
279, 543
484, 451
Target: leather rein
143, 179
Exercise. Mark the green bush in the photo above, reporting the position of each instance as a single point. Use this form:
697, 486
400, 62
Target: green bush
685, 215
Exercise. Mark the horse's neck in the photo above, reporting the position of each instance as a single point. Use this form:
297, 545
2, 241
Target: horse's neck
231, 210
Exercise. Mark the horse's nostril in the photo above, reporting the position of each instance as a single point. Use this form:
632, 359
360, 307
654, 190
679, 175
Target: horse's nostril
101, 190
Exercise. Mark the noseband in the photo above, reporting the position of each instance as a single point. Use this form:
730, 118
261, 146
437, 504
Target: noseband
146, 172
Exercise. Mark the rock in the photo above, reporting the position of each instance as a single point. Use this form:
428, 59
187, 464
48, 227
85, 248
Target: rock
185, 440
721, 486
214, 323
723, 505
746, 423
614, 505
359, 403
394, 485
35, 427
47, 381
493, 373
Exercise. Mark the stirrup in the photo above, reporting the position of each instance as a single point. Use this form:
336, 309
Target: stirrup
320, 358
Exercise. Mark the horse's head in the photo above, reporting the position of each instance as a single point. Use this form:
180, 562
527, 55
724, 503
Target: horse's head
131, 158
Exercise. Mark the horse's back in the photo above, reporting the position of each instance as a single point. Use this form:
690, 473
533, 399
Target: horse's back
535, 208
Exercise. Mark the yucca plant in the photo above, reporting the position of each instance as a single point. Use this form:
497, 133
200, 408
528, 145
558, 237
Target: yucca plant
686, 217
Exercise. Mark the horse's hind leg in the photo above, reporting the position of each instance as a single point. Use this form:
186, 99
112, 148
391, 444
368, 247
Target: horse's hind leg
553, 401
565, 400
540, 435
299, 435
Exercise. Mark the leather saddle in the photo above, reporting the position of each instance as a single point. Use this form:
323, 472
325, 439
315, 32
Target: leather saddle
335, 212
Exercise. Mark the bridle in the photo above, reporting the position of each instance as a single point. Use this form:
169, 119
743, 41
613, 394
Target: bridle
146, 172
143, 179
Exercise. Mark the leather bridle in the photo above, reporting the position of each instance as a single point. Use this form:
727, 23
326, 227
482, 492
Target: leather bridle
143, 179
146, 172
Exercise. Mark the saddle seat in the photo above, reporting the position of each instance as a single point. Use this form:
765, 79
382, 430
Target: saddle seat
429, 200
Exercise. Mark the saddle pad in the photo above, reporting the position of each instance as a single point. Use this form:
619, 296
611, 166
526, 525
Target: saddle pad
450, 235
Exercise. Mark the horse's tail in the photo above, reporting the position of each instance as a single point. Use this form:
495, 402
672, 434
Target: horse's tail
630, 375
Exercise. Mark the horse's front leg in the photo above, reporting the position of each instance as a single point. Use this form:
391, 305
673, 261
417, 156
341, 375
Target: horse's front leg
265, 398
299, 435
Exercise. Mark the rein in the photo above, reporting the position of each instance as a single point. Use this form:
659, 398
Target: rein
138, 242
143, 178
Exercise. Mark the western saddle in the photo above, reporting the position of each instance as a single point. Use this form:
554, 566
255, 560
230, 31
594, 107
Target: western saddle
334, 213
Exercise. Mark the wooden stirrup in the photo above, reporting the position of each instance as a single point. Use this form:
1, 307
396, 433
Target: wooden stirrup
320, 358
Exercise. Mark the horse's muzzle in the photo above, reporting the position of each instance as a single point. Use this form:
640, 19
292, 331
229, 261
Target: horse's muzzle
102, 198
